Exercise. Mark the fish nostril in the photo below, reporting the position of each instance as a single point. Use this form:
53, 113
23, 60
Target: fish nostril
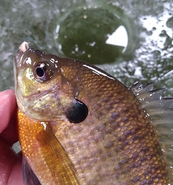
38, 52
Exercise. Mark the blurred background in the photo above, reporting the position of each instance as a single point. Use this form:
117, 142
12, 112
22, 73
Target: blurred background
130, 39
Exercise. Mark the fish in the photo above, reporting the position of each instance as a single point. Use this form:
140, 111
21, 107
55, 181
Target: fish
79, 125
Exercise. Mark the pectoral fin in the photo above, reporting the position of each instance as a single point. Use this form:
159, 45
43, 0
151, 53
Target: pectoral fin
56, 159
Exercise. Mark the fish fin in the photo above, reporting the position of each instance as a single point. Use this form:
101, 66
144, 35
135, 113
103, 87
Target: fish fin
160, 111
60, 162
29, 177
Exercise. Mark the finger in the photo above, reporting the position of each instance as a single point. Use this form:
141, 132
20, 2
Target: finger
8, 117
10, 166
7, 108
10, 134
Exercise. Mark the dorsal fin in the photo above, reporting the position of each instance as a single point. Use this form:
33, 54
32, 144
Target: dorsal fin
160, 110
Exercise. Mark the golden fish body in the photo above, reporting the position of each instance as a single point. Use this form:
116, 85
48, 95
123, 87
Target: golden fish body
79, 125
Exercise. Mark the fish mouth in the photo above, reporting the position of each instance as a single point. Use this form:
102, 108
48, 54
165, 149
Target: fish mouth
22, 48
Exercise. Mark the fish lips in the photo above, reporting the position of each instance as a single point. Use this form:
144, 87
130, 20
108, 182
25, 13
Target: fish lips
19, 54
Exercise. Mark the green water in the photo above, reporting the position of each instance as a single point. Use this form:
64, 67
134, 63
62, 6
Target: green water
80, 29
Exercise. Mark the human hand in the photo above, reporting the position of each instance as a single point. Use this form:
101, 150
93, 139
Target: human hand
10, 162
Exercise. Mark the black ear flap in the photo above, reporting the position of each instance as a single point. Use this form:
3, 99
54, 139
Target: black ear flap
78, 112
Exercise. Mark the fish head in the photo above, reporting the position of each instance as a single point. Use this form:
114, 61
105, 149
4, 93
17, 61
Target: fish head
45, 85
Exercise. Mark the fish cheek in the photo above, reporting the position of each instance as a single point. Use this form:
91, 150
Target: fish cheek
27, 82
77, 112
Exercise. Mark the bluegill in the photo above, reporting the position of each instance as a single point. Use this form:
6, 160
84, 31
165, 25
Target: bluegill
79, 125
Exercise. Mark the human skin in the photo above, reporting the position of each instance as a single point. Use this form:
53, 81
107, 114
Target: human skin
10, 162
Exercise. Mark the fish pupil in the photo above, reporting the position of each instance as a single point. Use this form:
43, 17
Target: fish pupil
40, 72
78, 112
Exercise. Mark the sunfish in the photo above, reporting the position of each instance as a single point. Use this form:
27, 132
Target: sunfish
79, 125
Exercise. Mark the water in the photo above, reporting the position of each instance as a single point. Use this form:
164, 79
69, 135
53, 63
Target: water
88, 30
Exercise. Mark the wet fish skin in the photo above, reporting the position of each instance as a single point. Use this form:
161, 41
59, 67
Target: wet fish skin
38, 144
115, 144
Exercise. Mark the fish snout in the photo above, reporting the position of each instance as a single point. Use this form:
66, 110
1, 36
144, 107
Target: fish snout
22, 48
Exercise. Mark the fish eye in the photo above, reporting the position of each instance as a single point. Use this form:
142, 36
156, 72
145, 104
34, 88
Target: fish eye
43, 71
40, 70
78, 112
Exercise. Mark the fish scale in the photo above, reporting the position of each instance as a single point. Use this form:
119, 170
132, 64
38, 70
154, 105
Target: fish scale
138, 139
116, 143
